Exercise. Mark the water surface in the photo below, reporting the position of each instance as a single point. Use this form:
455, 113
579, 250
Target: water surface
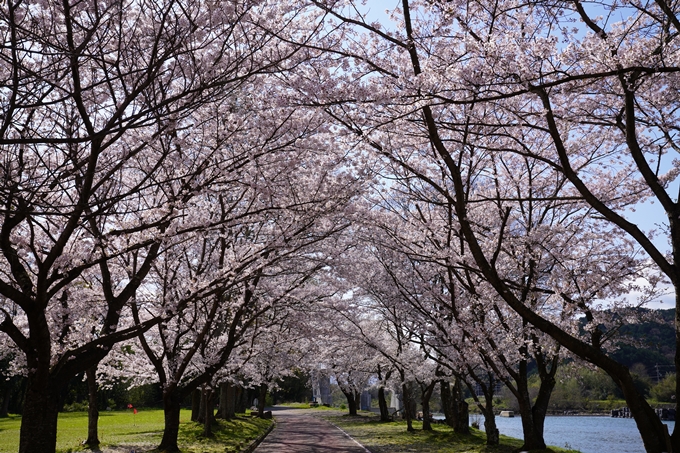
588, 434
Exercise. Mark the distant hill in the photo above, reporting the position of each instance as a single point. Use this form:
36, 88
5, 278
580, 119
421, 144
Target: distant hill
651, 343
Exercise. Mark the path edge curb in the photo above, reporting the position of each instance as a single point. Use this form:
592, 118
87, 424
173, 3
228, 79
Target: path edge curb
253, 445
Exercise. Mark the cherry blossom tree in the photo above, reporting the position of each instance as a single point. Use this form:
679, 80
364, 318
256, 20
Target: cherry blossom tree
377, 325
100, 161
452, 89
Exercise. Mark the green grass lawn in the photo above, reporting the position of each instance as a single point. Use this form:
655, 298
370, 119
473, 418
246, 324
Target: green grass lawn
141, 431
392, 437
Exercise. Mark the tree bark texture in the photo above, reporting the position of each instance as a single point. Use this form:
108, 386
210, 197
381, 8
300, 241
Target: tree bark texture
171, 410
227, 401
408, 415
261, 400
201, 405
241, 400
4, 405
209, 415
382, 404
351, 401
38, 432
92, 410
425, 402
447, 405
195, 405
461, 409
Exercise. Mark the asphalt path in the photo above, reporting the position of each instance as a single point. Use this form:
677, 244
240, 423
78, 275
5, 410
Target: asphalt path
304, 431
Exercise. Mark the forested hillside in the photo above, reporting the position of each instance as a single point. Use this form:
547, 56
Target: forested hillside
650, 343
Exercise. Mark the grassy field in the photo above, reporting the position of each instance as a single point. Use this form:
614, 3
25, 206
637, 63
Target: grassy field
123, 431
393, 438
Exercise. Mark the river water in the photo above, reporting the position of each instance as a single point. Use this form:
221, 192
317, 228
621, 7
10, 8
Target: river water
587, 434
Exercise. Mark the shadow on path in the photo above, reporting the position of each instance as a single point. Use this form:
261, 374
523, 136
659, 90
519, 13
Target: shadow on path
304, 431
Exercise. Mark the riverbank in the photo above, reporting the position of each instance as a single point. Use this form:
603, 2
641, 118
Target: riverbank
392, 437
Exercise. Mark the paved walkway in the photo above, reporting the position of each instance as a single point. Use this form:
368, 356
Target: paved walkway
304, 431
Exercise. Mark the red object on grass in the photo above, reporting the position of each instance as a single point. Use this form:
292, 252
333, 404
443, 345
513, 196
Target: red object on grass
134, 410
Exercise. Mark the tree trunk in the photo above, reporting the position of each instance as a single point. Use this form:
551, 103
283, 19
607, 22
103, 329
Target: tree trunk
230, 411
4, 406
540, 409
447, 403
171, 409
92, 411
407, 407
195, 405
653, 431
351, 401
382, 403
261, 400
675, 437
425, 401
222, 401
241, 400
462, 417
201, 406
227, 401
532, 440
38, 432
492, 433
209, 414
461, 409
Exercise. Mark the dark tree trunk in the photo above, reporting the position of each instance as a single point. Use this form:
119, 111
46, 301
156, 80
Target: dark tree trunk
447, 403
492, 433
493, 436
209, 414
654, 433
201, 406
460, 409
675, 437
261, 400
227, 401
230, 411
382, 403
92, 412
425, 401
222, 403
38, 432
6, 394
462, 417
540, 409
408, 415
533, 440
351, 401
171, 409
195, 405
533, 416
241, 400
